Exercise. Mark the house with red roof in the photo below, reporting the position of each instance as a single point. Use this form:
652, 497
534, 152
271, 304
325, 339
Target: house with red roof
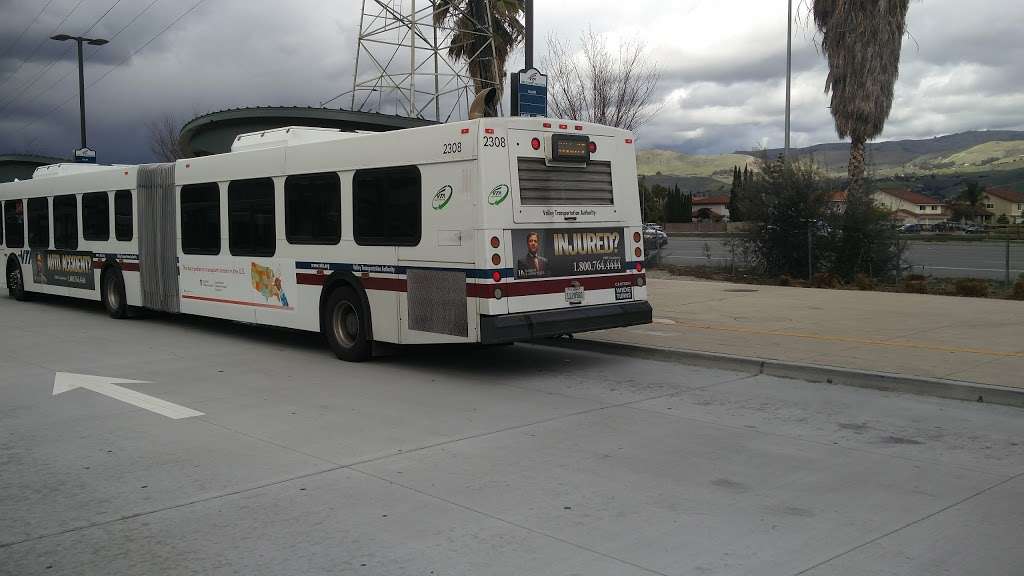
909, 207
710, 208
1003, 201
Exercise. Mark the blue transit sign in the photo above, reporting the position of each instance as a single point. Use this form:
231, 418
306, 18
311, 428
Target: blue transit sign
529, 93
85, 156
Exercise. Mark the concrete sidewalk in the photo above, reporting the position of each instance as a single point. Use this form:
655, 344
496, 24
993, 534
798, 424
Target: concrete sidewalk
969, 339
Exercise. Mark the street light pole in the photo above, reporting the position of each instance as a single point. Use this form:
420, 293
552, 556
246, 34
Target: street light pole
81, 73
789, 71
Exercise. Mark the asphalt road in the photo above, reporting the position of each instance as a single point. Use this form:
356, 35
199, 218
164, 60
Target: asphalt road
223, 448
940, 259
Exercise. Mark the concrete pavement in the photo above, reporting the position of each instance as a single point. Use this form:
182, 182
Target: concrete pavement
970, 339
456, 460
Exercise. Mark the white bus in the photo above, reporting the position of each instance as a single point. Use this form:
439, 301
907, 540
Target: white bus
492, 230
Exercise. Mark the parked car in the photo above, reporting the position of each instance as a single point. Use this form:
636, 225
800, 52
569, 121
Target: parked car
911, 229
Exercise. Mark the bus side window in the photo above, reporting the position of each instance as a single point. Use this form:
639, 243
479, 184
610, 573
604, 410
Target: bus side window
251, 225
312, 208
14, 218
387, 205
123, 215
65, 222
96, 216
200, 219
39, 223
2, 222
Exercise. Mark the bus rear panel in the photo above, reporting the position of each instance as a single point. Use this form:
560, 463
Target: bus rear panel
563, 230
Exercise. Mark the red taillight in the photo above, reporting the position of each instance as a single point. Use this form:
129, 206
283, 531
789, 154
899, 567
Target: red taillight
488, 130
563, 126
639, 266
636, 236
535, 143
495, 242
578, 127
496, 259
496, 276
593, 147
547, 124
638, 252
629, 140
465, 130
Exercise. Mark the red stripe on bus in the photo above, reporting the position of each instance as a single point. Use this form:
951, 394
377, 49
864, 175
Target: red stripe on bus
385, 284
126, 266
237, 302
486, 290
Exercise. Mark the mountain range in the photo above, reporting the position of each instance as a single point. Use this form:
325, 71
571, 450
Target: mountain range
935, 165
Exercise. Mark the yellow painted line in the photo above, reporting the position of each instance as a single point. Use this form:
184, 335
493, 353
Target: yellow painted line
853, 340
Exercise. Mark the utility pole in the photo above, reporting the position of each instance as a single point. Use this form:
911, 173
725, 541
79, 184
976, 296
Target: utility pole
529, 34
789, 72
81, 73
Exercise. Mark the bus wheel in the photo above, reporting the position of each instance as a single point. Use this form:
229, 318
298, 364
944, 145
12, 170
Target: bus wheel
16, 282
113, 294
346, 324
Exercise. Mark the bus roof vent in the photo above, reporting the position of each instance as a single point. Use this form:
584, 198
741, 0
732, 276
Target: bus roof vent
288, 136
543, 185
66, 168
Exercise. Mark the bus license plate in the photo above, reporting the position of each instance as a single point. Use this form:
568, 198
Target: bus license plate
574, 294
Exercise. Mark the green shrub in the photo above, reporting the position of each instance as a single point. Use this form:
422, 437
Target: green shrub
1018, 290
826, 280
916, 284
864, 282
972, 287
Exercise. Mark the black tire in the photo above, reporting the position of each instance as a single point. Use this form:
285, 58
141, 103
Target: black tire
16, 282
112, 294
345, 323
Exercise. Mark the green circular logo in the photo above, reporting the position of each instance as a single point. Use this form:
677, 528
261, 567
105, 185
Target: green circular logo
443, 197
498, 195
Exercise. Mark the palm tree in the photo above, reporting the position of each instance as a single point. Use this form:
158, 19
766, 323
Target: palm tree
861, 40
469, 42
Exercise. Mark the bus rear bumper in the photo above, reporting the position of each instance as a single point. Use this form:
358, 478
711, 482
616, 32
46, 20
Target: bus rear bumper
530, 325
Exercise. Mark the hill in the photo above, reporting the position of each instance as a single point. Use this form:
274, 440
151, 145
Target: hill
900, 156
937, 165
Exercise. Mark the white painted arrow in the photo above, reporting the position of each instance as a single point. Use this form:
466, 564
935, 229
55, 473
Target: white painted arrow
64, 381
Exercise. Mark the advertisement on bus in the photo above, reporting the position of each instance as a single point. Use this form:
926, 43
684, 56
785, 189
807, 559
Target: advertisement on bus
554, 252
63, 268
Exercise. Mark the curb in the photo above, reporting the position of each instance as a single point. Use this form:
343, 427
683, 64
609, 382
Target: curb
886, 381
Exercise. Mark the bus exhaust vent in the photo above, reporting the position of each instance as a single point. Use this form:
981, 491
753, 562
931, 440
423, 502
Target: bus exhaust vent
543, 185
437, 302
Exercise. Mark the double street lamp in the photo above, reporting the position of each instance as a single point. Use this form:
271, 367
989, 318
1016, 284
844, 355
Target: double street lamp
81, 72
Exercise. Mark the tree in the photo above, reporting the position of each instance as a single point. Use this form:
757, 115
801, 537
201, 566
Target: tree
594, 85
861, 40
735, 196
972, 194
469, 42
164, 140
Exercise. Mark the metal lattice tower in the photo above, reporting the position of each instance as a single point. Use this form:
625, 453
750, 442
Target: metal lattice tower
402, 63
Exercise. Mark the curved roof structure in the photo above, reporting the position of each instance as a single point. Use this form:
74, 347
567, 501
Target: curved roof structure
21, 166
214, 133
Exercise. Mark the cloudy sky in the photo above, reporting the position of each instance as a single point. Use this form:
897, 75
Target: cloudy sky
722, 64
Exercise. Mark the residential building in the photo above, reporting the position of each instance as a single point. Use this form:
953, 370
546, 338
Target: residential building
837, 201
710, 208
909, 207
1001, 201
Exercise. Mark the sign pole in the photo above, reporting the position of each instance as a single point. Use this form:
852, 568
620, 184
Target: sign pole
529, 34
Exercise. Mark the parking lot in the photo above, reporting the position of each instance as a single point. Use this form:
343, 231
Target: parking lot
207, 447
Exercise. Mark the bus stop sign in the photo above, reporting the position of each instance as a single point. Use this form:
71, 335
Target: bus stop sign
85, 156
529, 93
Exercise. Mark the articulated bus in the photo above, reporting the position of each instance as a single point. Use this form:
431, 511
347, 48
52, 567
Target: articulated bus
490, 231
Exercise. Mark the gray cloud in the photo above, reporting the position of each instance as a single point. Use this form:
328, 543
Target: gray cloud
722, 68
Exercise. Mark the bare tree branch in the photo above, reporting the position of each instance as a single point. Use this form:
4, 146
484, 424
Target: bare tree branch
591, 84
163, 138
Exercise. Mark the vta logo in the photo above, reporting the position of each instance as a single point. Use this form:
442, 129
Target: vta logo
498, 195
443, 197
